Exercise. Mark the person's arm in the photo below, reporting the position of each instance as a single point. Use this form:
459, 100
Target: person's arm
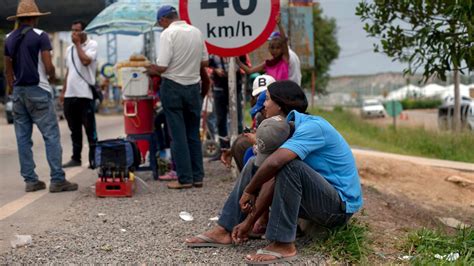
265, 172
63, 92
9, 71
250, 70
263, 202
48, 64
205, 63
205, 82
154, 70
286, 52
76, 39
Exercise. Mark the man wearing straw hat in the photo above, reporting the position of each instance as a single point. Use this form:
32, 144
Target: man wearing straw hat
28, 66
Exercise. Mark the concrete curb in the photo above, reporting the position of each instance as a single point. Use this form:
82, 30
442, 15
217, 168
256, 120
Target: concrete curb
418, 160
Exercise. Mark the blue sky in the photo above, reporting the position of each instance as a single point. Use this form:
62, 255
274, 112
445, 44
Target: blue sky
356, 56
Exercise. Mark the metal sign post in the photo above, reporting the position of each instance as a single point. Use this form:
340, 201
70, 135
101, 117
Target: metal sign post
393, 109
233, 99
231, 28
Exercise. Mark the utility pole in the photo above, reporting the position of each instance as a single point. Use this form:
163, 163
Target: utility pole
111, 41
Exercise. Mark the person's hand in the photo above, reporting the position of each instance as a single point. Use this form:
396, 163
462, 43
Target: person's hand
152, 70
51, 80
226, 158
240, 233
247, 202
237, 60
76, 37
220, 72
61, 98
278, 19
252, 137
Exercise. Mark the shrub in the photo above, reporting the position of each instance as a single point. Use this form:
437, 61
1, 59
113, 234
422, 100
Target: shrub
420, 103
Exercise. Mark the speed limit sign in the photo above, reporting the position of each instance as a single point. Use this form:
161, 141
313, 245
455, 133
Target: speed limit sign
231, 27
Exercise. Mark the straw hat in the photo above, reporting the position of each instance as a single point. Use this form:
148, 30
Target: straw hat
27, 8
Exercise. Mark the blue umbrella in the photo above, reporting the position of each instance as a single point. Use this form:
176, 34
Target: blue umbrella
129, 17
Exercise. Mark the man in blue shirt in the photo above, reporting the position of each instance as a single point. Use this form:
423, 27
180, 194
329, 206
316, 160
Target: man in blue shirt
28, 66
315, 178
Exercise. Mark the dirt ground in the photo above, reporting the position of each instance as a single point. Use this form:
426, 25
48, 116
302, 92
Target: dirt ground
402, 196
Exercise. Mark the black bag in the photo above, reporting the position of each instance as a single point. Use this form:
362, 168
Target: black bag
96, 92
117, 154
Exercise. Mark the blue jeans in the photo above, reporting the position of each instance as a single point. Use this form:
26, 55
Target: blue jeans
182, 105
299, 192
34, 105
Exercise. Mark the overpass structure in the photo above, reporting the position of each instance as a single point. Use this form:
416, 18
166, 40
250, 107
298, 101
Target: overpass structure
63, 12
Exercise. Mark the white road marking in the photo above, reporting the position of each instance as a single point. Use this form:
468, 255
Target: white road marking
12, 207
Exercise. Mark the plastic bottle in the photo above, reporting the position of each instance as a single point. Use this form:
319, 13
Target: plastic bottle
21, 240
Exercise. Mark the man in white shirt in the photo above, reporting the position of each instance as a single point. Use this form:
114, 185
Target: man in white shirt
182, 53
79, 105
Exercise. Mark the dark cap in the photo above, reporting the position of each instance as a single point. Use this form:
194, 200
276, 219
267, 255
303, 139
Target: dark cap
288, 95
165, 10
271, 134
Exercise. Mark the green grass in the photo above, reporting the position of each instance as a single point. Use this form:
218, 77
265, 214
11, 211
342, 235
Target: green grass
348, 243
408, 141
425, 243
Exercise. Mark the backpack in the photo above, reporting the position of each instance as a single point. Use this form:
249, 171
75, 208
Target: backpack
117, 154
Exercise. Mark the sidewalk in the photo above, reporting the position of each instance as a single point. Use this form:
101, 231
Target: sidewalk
418, 160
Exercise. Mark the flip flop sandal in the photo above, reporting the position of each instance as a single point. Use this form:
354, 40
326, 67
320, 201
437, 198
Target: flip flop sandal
208, 243
279, 258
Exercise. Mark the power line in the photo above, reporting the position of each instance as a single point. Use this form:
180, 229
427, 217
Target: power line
365, 51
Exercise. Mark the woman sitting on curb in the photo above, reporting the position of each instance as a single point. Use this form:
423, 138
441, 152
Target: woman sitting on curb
315, 178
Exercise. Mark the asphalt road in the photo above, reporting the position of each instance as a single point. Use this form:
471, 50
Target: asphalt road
28, 213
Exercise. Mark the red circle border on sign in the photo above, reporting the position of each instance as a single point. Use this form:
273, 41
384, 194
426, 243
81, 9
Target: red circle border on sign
261, 39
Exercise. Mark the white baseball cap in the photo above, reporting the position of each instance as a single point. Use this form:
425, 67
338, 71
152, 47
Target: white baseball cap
260, 84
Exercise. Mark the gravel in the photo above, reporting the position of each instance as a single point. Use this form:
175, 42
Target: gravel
145, 228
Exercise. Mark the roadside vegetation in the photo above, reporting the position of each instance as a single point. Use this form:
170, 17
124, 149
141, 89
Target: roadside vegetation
408, 141
429, 247
348, 243
351, 244
420, 103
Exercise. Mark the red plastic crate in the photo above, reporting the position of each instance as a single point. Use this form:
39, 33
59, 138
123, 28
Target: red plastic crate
113, 187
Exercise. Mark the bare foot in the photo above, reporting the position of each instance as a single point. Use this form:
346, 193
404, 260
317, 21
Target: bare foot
218, 234
285, 249
260, 225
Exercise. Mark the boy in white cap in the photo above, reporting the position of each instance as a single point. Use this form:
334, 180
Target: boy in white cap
241, 148
259, 85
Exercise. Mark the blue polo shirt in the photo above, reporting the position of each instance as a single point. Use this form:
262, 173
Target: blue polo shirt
27, 65
320, 145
